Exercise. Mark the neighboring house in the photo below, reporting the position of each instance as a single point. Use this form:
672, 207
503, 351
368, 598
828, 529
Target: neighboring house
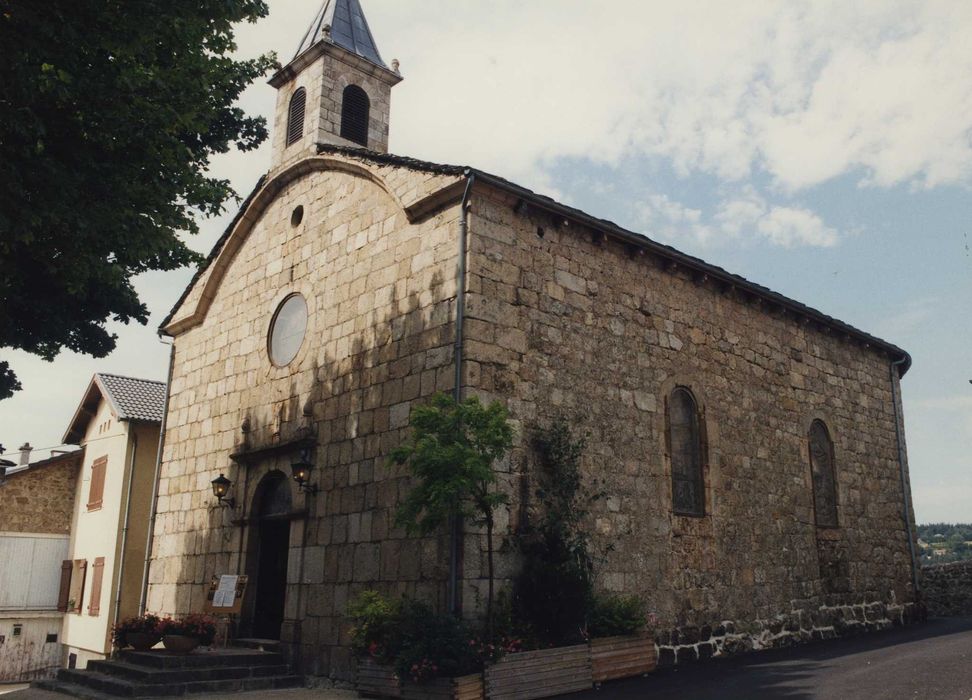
747, 444
117, 424
36, 504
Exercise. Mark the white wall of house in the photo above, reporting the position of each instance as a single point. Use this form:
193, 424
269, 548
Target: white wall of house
96, 533
30, 624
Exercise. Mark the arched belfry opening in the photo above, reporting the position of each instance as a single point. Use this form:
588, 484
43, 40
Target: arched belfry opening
355, 114
269, 554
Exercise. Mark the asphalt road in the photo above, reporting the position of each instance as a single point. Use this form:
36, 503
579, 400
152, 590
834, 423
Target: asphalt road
924, 662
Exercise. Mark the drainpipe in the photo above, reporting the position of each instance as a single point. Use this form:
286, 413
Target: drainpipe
128, 514
455, 533
150, 538
905, 495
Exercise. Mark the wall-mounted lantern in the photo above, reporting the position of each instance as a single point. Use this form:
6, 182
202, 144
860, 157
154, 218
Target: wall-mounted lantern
221, 486
302, 470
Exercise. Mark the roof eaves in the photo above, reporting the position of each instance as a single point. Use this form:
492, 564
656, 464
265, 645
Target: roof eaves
218, 246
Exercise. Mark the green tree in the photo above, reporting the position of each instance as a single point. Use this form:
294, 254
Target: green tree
109, 114
451, 453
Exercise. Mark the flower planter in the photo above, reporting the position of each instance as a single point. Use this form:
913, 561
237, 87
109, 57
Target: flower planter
461, 688
142, 641
376, 680
622, 657
179, 643
540, 674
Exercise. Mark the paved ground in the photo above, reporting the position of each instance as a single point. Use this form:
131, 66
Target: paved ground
296, 694
927, 662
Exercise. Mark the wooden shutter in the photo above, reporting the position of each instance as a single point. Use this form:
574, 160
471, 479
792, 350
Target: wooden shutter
295, 118
96, 490
64, 592
94, 606
355, 111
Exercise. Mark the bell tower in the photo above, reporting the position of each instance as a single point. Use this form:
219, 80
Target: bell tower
336, 89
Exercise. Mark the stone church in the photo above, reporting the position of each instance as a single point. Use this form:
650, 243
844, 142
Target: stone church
752, 447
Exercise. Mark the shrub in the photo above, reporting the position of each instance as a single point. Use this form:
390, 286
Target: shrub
615, 615
376, 629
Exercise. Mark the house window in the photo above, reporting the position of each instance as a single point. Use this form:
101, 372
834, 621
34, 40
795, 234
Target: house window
355, 109
295, 116
96, 489
822, 470
79, 569
685, 452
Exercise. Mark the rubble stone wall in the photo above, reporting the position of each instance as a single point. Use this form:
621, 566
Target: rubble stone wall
41, 499
947, 588
562, 321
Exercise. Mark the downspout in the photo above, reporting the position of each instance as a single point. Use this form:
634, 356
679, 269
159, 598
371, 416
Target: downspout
128, 514
905, 492
455, 533
150, 538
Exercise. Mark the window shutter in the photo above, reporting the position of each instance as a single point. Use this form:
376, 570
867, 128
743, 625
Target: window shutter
355, 114
64, 592
96, 490
94, 607
295, 117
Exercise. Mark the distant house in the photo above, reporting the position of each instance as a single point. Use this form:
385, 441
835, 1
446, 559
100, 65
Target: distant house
117, 424
36, 507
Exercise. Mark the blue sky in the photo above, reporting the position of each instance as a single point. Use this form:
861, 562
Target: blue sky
821, 149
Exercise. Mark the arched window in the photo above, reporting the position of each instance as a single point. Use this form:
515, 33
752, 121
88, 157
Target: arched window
685, 449
295, 116
824, 480
355, 109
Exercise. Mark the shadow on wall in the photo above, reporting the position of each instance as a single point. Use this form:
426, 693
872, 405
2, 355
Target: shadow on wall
342, 539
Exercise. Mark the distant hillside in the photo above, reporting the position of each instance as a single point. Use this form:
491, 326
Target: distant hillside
941, 543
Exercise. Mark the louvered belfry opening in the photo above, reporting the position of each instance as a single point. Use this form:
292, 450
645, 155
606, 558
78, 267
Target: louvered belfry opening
355, 108
295, 118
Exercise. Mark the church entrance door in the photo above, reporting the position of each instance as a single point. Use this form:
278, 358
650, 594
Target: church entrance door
273, 507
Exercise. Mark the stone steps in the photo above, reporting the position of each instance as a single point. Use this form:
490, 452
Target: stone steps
158, 674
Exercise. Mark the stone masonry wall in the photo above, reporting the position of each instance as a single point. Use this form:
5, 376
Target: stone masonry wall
41, 499
380, 293
947, 588
561, 321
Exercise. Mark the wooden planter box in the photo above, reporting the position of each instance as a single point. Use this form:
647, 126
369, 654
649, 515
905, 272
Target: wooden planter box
540, 674
622, 657
375, 680
461, 688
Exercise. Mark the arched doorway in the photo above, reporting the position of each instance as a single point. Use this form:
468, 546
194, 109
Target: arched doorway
271, 509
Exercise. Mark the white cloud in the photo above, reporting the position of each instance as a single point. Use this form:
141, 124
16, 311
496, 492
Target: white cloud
744, 217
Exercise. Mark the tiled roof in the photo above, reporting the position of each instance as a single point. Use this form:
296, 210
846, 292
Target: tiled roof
134, 399
342, 22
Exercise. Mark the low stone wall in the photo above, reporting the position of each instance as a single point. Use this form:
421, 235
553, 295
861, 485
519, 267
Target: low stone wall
948, 588
690, 644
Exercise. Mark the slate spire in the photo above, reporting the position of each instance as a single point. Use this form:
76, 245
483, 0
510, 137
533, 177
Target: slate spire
343, 23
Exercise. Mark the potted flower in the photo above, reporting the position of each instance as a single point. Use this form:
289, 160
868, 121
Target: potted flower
185, 634
141, 633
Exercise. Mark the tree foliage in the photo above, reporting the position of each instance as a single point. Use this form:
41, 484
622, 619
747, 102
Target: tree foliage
109, 114
451, 453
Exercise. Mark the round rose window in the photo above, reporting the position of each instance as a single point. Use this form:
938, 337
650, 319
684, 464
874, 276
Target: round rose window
287, 330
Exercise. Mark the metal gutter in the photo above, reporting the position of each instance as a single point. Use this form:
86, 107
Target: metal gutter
455, 530
150, 537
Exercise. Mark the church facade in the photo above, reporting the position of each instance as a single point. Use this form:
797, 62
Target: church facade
751, 448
